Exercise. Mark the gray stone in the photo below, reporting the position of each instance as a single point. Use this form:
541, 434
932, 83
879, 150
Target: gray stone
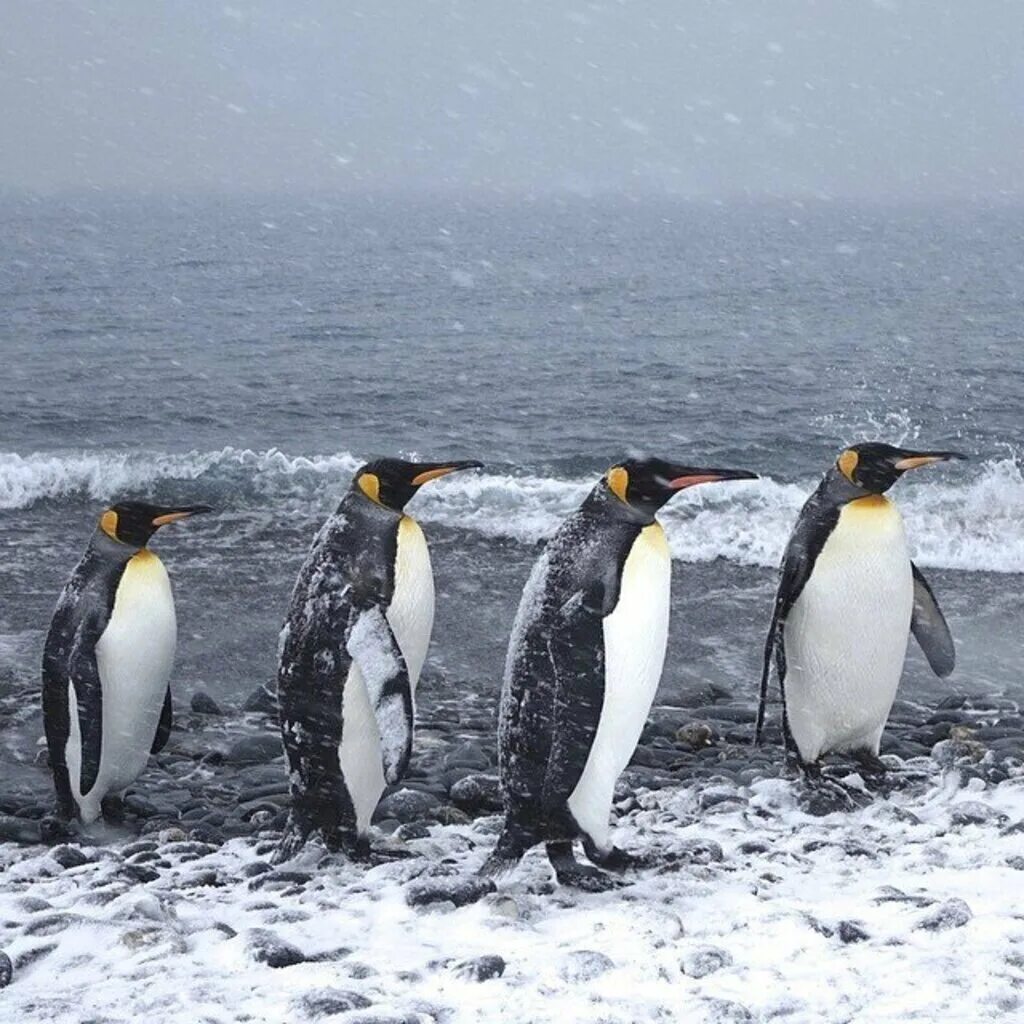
254, 749
971, 812
851, 931
203, 704
69, 856
694, 735
481, 968
458, 890
704, 960
954, 913
406, 806
265, 947
326, 1002
6, 970
585, 965
477, 794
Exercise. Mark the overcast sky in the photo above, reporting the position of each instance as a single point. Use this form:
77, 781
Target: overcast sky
840, 97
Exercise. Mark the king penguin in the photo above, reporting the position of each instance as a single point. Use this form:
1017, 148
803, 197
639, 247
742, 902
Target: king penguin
847, 600
584, 661
107, 662
350, 655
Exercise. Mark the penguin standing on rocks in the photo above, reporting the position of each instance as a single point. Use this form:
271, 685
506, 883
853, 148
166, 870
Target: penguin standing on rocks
351, 650
107, 662
584, 662
848, 597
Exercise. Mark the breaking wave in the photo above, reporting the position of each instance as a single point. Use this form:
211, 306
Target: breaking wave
974, 524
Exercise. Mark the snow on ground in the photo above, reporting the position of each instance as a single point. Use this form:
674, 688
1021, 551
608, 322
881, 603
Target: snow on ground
911, 909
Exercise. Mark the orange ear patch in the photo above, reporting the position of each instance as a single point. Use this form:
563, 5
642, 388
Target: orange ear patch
369, 484
618, 482
108, 523
847, 463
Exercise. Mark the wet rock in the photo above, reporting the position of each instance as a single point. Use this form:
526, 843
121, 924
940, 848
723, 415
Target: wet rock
19, 830
850, 932
327, 1002
481, 968
140, 806
448, 815
6, 970
954, 913
971, 812
477, 794
725, 1011
52, 924
203, 704
265, 947
406, 806
139, 873
698, 851
417, 830
261, 701
722, 798
458, 890
27, 957
254, 749
583, 965
69, 856
206, 833
1016, 862
704, 960
694, 735
467, 755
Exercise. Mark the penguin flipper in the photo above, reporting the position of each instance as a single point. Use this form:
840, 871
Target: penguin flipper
372, 644
163, 729
576, 650
929, 627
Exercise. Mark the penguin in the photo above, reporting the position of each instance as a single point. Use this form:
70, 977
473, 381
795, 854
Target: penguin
350, 654
107, 662
847, 600
584, 661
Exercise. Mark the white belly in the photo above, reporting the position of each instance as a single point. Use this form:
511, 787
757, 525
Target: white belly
635, 635
411, 616
846, 636
134, 657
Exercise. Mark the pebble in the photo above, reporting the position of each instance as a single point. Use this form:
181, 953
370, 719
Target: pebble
6, 970
467, 755
971, 812
454, 889
481, 968
326, 1002
583, 965
69, 856
954, 913
704, 960
254, 749
851, 931
266, 947
406, 806
477, 794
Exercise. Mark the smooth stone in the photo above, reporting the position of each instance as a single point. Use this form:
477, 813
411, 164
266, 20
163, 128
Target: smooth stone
51, 924
267, 948
254, 749
279, 787
6, 970
467, 755
327, 1002
261, 701
954, 913
704, 960
725, 1011
19, 830
207, 833
454, 889
477, 794
140, 806
69, 856
407, 806
203, 704
585, 965
851, 931
971, 812
417, 830
481, 968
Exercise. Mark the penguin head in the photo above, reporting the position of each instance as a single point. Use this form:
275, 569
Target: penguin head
646, 484
392, 482
134, 522
874, 467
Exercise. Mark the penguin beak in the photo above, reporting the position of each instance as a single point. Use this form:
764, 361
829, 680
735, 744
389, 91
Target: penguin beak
914, 460
172, 515
688, 477
438, 469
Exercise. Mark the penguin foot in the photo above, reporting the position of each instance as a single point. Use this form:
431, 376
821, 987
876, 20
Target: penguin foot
616, 859
57, 829
571, 873
293, 840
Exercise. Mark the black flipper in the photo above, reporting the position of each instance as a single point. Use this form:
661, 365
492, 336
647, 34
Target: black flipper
576, 649
163, 729
816, 522
929, 627
372, 645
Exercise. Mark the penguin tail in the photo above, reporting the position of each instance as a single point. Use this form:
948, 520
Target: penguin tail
513, 842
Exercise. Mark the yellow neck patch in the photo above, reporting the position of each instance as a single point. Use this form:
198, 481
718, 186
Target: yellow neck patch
369, 484
847, 463
872, 503
108, 524
618, 482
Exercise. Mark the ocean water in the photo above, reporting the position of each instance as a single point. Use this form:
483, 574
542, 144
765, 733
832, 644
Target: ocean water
250, 353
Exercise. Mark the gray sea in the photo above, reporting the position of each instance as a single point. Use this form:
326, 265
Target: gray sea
250, 353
